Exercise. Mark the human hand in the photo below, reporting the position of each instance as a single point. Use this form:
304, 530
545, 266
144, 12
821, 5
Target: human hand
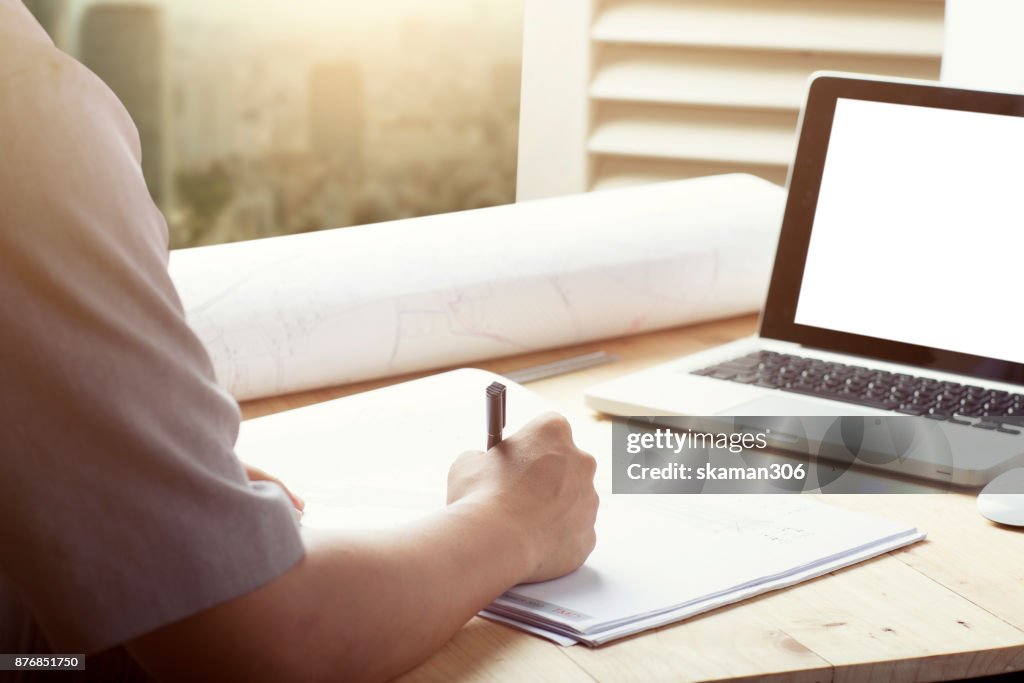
541, 483
256, 474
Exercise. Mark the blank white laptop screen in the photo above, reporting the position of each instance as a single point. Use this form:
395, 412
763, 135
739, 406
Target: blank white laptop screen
918, 236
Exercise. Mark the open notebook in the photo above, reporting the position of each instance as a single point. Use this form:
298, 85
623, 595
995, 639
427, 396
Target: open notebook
381, 458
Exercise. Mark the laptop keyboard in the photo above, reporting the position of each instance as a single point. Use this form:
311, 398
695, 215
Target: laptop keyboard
871, 388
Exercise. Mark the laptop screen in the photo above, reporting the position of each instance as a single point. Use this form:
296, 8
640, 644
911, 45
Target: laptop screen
918, 233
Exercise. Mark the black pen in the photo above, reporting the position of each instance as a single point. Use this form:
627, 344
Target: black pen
495, 396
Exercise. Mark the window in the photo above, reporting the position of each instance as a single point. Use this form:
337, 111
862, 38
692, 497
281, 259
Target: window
271, 117
620, 92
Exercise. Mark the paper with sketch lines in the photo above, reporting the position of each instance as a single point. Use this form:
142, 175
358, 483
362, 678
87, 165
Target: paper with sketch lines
325, 308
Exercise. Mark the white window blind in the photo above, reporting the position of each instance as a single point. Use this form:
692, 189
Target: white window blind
620, 92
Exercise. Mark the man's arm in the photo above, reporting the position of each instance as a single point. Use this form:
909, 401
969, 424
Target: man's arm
122, 504
130, 513
370, 606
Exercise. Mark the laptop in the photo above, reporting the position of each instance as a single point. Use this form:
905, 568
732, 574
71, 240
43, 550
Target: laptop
897, 282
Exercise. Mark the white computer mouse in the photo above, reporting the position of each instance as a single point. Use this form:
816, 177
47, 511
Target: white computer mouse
1002, 500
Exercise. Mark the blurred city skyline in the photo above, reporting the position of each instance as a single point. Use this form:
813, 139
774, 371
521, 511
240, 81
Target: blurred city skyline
257, 119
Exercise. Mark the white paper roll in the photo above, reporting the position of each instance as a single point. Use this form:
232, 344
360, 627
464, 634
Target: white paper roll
338, 306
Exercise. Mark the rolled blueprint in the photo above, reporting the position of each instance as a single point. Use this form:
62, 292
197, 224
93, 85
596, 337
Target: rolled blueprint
297, 312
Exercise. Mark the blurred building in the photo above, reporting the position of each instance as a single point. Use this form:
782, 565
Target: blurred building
337, 119
274, 127
124, 44
206, 94
53, 16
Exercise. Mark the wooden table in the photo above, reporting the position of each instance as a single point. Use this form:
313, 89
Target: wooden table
949, 607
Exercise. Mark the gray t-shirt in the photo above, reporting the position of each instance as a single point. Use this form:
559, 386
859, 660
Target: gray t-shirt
122, 505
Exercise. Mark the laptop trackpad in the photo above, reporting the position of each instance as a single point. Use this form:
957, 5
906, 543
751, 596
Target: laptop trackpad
771, 406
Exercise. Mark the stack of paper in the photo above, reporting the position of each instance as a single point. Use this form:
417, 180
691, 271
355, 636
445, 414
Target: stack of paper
379, 459
661, 559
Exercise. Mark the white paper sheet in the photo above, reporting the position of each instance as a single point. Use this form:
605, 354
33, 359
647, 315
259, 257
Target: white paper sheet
378, 459
338, 306
699, 552
559, 635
